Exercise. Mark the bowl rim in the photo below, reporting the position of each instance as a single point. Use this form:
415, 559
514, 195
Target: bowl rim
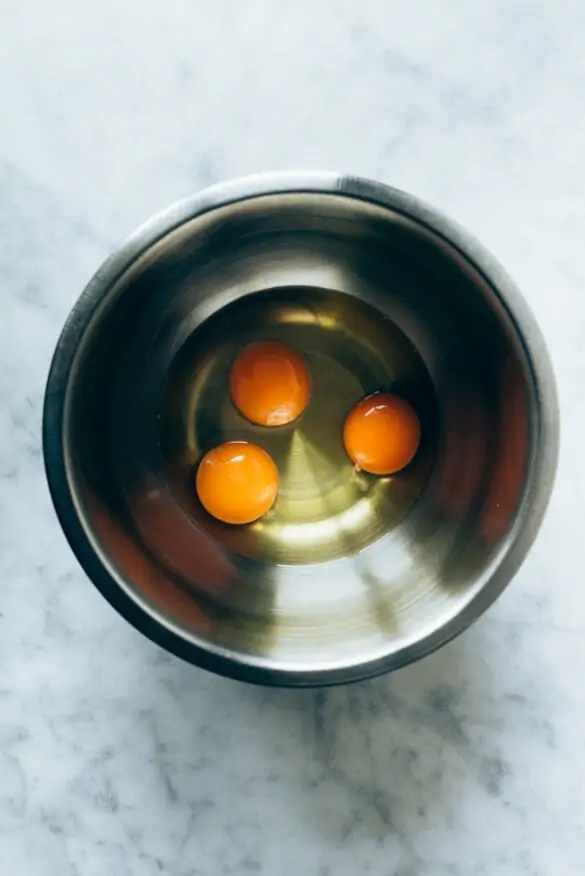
530, 514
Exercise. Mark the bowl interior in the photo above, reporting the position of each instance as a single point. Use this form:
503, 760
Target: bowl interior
347, 570
325, 509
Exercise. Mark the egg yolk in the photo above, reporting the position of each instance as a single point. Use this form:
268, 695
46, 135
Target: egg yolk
381, 434
237, 482
270, 383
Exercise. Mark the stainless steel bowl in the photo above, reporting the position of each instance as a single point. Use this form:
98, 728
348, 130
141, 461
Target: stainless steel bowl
349, 575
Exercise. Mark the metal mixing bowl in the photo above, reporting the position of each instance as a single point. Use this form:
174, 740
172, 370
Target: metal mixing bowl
349, 575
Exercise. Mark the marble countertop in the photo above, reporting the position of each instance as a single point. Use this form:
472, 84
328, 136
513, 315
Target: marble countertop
118, 759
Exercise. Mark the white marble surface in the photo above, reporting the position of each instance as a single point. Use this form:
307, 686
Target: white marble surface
116, 758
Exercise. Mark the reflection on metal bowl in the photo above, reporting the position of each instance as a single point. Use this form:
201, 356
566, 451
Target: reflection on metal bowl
348, 575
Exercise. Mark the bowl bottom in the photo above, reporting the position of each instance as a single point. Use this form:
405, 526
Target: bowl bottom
325, 509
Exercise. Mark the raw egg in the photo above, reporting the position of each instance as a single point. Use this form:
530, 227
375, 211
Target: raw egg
270, 383
237, 482
381, 434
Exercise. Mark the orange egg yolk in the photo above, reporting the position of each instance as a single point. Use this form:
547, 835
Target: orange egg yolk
270, 383
381, 434
237, 482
